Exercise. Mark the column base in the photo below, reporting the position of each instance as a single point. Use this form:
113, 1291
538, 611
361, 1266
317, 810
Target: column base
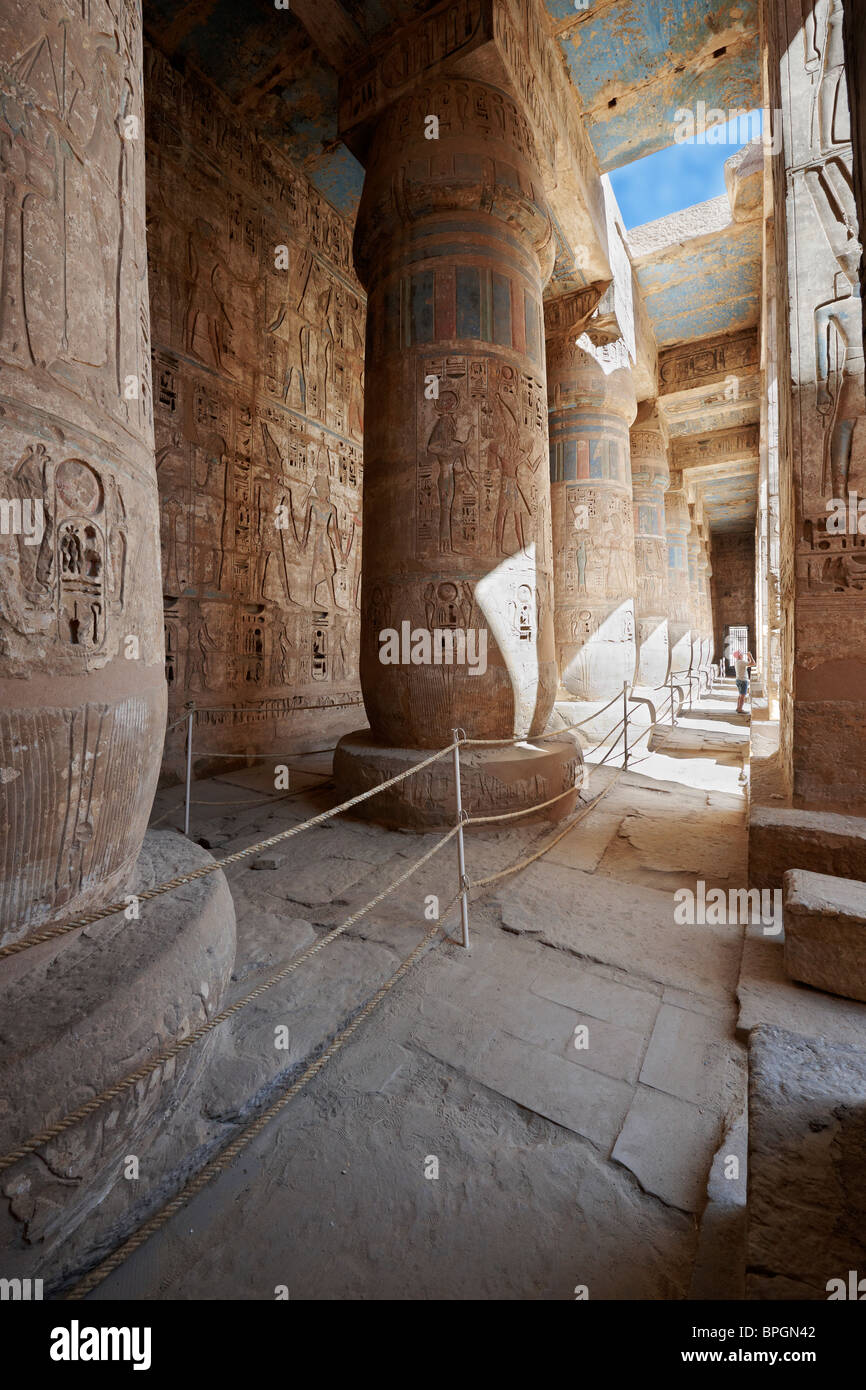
82, 1012
493, 780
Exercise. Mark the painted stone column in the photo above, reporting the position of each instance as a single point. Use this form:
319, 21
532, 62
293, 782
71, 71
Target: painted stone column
705, 571
694, 548
453, 244
677, 525
82, 682
650, 476
592, 405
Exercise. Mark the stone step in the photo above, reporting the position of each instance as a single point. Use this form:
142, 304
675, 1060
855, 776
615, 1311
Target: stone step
698, 740
825, 932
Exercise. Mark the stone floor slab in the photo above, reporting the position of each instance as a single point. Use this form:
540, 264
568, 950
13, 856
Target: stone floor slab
669, 1145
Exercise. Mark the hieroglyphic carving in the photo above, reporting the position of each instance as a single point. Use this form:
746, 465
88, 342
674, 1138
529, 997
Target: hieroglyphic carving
80, 617
740, 442
711, 360
677, 524
418, 49
830, 441
593, 555
485, 439
258, 360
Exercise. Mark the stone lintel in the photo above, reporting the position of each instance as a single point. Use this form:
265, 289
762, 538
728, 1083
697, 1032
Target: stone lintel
503, 43
708, 361
736, 445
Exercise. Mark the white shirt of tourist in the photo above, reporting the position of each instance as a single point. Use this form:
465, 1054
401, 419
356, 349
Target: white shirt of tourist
741, 668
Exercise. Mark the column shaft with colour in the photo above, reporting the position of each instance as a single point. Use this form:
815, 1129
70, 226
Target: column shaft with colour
592, 404
454, 244
677, 525
650, 475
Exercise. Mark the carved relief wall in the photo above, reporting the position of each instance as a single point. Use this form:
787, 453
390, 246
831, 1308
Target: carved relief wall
258, 340
733, 585
824, 418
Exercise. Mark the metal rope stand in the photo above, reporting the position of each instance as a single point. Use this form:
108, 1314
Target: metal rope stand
462, 818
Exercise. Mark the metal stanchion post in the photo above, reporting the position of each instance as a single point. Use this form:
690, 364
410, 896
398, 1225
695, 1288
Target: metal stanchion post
625, 723
672, 699
461, 854
189, 723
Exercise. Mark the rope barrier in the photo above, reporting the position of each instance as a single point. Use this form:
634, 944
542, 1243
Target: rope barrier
284, 796
222, 1160
277, 756
142, 1073
536, 738
146, 895
251, 709
560, 834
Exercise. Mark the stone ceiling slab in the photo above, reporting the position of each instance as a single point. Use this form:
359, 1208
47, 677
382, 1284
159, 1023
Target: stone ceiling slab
699, 284
667, 57
722, 470
267, 65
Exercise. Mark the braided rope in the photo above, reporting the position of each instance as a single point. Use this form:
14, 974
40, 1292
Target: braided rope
222, 1161
141, 1073
537, 738
227, 1156
90, 917
524, 810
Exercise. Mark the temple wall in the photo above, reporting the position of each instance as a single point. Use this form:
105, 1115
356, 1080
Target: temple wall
779, 350
855, 59
733, 584
822, 442
258, 341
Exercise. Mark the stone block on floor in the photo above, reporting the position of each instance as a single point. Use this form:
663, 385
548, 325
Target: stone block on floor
825, 932
783, 837
578, 1098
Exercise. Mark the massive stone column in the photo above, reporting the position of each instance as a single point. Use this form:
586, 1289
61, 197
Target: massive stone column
705, 604
822, 406
677, 526
694, 549
650, 476
592, 405
454, 244
82, 684
770, 577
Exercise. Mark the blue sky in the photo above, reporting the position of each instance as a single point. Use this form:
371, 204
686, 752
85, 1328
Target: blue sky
676, 178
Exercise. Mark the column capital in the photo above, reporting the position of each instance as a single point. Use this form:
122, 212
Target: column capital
504, 43
568, 315
482, 163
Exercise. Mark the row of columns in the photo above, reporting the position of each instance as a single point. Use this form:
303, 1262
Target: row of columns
513, 492
512, 488
631, 563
